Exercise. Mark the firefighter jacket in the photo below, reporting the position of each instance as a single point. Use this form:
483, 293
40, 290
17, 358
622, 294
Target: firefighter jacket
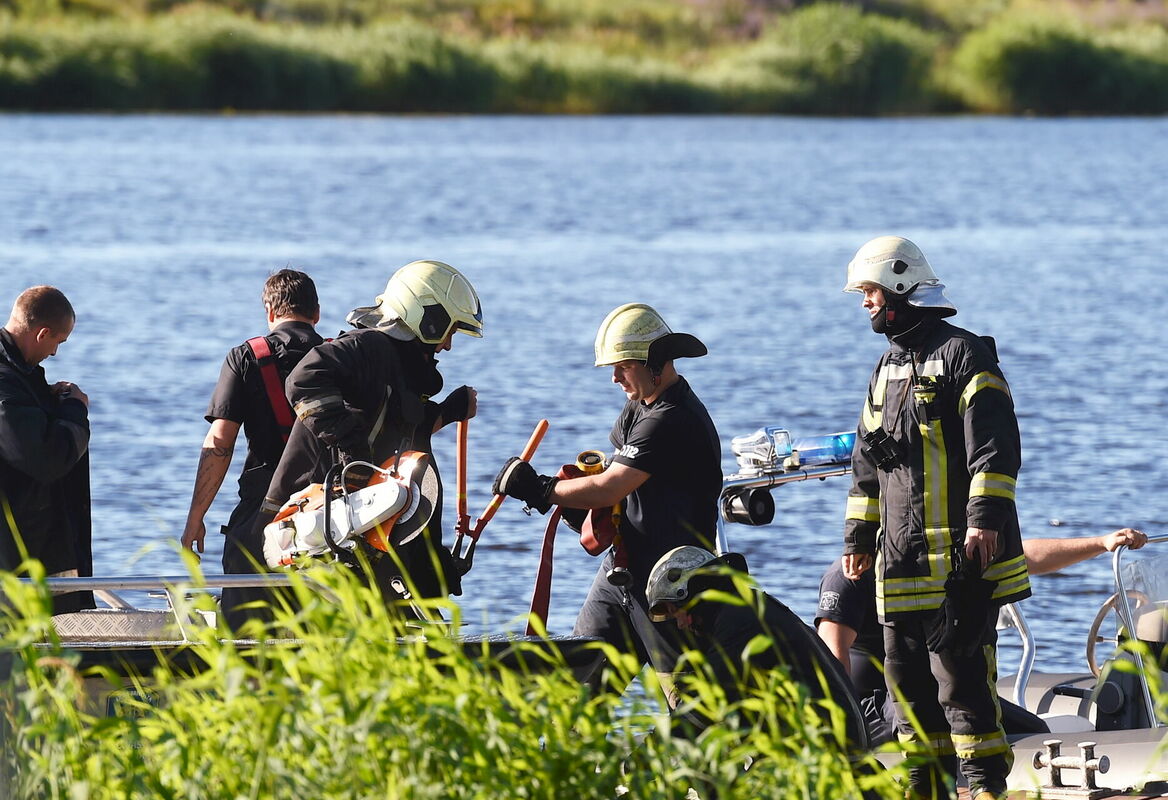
367, 395
364, 393
44, 475
950, 462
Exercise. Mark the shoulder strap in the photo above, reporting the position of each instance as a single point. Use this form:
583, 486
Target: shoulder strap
274, 387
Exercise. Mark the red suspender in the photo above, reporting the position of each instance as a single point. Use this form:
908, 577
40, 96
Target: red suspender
281, 410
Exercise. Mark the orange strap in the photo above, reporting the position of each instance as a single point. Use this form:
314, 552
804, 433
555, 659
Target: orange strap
281, 409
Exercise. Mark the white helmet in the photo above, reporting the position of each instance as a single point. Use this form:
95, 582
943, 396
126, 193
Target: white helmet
636, 332
429, 298
898, 266
669, 579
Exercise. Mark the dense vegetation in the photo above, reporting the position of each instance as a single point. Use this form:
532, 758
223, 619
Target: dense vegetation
356, 711
786, 56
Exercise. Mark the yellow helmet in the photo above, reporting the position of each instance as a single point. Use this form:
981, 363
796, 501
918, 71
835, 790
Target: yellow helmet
429, 298
636, 332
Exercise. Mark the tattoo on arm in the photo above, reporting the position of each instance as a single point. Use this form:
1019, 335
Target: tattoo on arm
213, 465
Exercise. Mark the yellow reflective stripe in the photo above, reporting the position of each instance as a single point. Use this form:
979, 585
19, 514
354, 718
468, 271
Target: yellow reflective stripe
900, 595
871, 419
905, 371
899, 602
1005, 570
905, 605
976, 745
863, 508
873, 416
936, 485
306, 408
1012, 587
936, 743
982, 380
993, 484
940, 555
914, 584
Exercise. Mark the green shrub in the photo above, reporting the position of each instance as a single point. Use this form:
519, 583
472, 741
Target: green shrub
245, 65
538, 77
364, 707
833, 59
1048, 65
408, 67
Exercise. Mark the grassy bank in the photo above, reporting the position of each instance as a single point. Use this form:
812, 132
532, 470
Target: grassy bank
895, 56
354, 712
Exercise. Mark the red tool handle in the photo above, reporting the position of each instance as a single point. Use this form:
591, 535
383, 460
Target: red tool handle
527, 454
542, 594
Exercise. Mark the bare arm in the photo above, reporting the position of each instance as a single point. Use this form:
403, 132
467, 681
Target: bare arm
214, 459
839, 639
597, 491
1051, 555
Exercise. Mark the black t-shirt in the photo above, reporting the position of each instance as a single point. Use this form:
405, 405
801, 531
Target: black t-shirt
673, 440
852, 603
241, 397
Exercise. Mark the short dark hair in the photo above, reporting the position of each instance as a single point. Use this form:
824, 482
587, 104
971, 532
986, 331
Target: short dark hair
43, 307
290, 292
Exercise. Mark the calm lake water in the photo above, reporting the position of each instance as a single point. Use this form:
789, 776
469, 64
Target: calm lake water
1050, 235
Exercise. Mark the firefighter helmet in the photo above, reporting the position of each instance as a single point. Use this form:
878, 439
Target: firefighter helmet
898, 266
430, 298
669, 579
636, 332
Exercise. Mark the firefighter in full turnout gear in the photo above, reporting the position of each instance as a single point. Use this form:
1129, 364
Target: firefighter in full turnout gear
366, 396
932, 509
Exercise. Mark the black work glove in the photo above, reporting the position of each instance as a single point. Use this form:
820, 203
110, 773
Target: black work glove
518, 479
963, 614
574, 518
356, 477
456, 405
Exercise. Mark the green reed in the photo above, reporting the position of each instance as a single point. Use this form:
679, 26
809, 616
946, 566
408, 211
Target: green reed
364, 706
562, 56
833, 59
1046, 64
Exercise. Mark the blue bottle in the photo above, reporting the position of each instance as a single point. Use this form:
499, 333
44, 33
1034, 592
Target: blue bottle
831, 448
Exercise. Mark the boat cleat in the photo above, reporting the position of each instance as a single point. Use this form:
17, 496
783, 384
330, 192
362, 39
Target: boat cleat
1087, 763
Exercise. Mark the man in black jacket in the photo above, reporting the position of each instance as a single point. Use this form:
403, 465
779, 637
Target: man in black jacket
933, 473
250, 395
365, 396
44, 448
